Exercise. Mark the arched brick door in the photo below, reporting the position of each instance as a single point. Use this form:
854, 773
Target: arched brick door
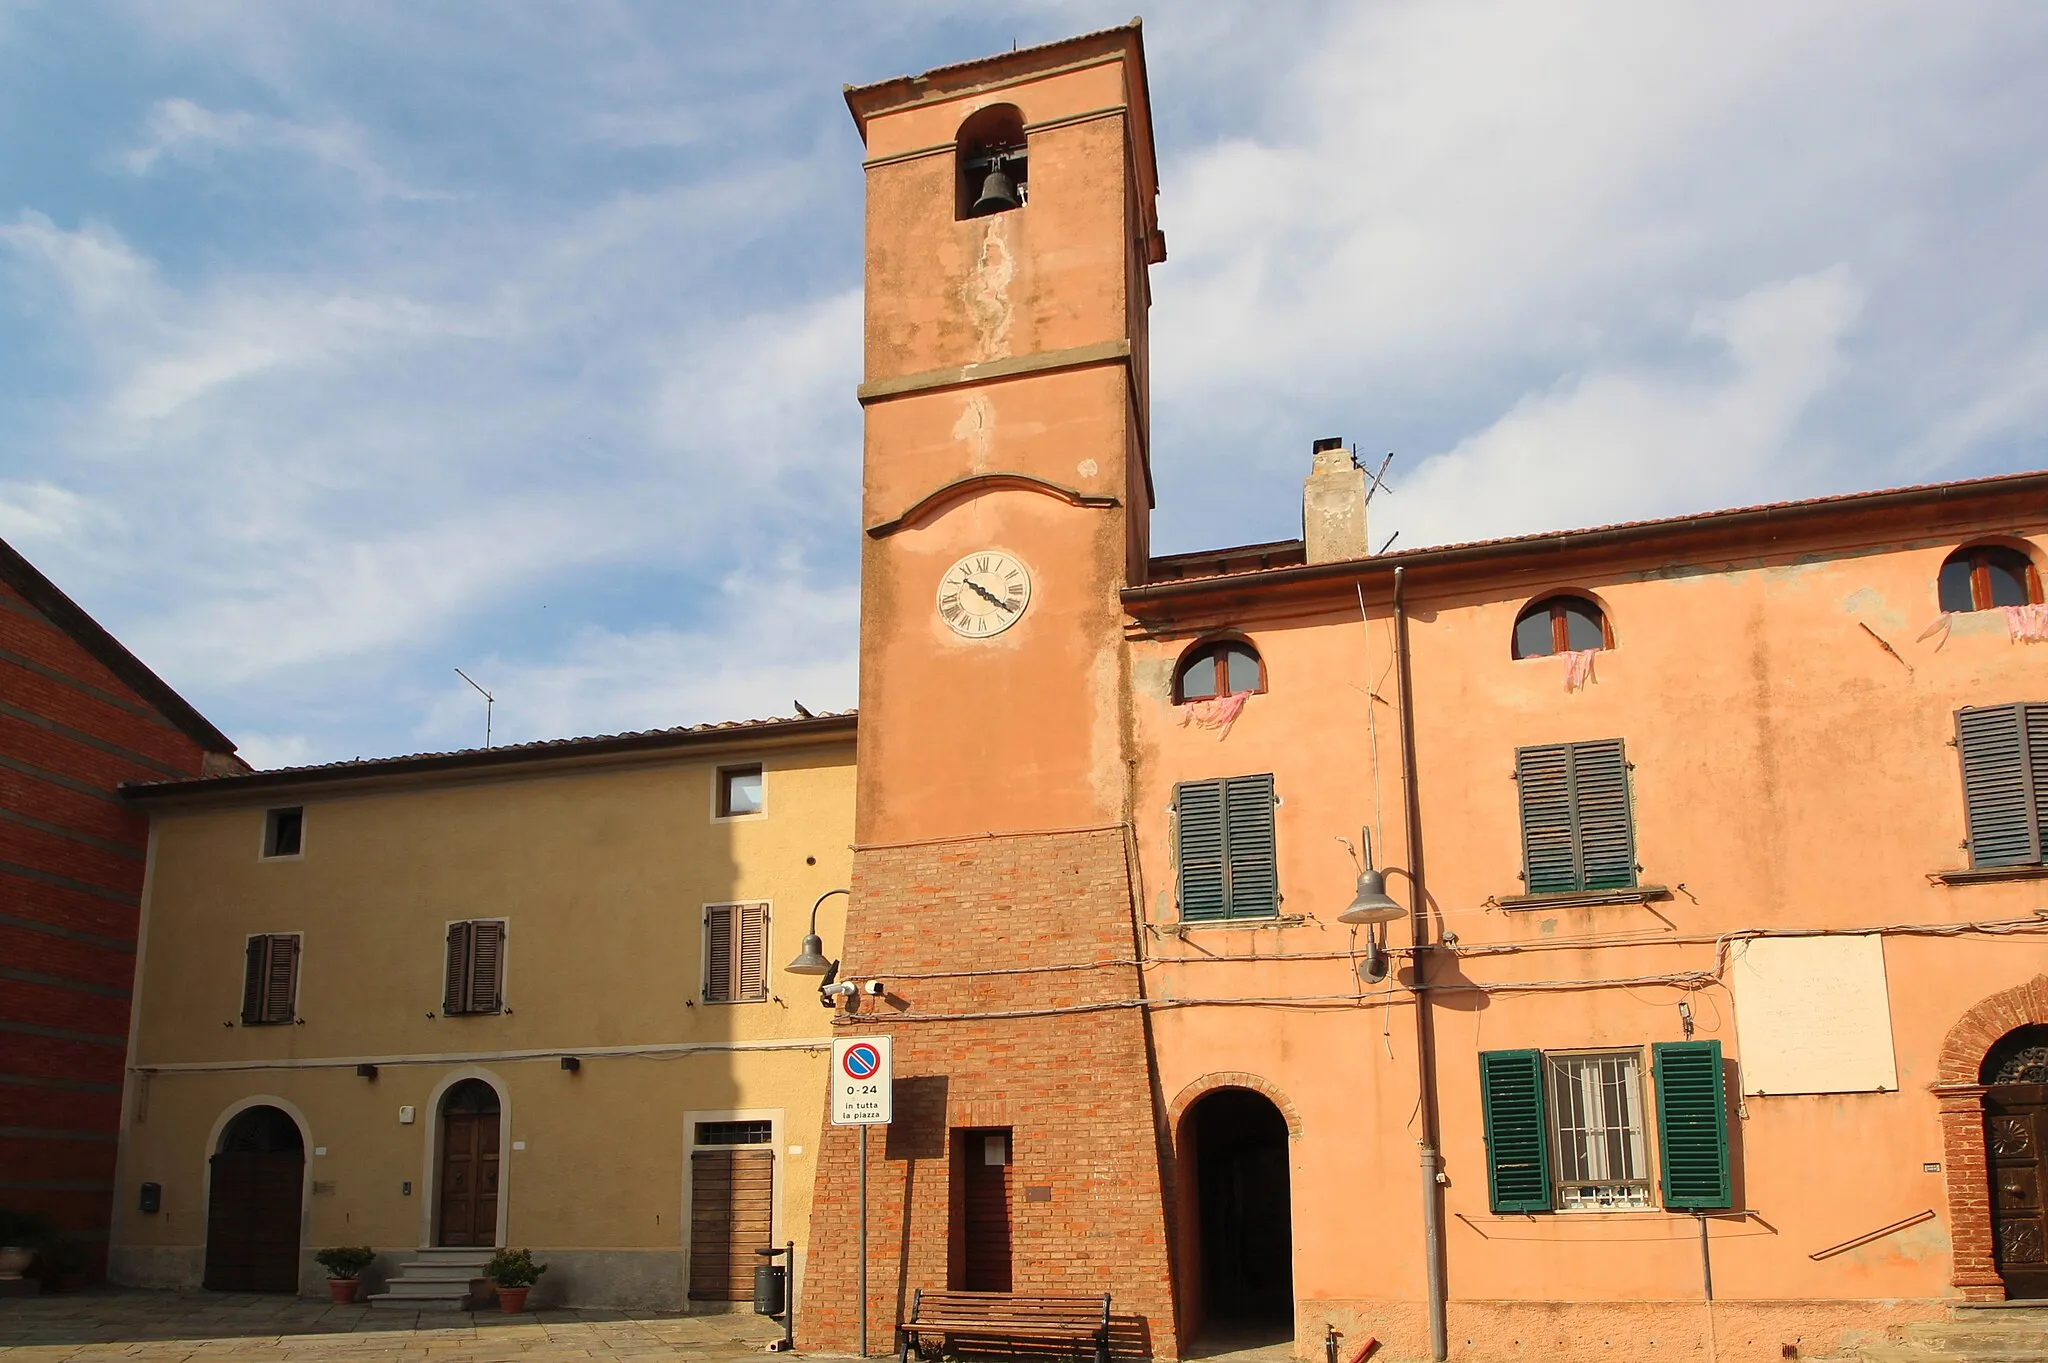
1962, 1093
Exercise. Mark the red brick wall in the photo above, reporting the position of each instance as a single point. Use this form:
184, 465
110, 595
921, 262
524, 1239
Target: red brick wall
1074, 1088
71, 864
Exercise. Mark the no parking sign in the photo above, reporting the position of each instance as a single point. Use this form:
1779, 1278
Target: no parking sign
861, 1090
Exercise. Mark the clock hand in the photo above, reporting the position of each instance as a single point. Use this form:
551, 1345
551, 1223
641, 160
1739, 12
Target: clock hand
986, 595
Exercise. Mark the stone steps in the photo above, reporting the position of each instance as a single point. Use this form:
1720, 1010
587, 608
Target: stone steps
438, 1280
1970, 1335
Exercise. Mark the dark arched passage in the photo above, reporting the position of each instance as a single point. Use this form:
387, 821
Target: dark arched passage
253, 1203
1244, 1222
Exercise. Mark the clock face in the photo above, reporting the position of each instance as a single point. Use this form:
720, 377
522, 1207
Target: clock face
984, 594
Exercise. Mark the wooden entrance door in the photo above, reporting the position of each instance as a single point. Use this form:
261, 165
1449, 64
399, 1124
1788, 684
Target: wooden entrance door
2016, 1130
468, 1183
253, 1203
985, 1211
732, 1214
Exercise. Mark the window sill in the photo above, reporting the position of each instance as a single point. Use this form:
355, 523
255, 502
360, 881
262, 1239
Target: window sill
1182, 929
1977, 875
1567, 899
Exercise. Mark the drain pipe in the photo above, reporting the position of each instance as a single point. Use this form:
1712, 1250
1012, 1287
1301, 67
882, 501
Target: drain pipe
1425, 1027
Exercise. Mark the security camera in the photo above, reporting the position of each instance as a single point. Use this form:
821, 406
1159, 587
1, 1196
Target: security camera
845, 989
875, 987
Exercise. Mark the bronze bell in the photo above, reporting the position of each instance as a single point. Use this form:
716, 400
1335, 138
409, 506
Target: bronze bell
997, 193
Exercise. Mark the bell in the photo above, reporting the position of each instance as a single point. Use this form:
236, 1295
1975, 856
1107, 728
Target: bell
997, 193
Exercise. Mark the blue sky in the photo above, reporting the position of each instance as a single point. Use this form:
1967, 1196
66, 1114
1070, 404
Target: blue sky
344, 345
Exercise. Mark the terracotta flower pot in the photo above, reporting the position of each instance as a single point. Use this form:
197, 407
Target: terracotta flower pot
512, 1300
13, 1259
342, 1290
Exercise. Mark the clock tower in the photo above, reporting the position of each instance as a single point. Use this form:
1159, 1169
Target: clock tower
1010, 227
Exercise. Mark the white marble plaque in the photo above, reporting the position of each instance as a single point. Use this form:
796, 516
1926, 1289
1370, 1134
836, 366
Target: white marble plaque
1813, 1015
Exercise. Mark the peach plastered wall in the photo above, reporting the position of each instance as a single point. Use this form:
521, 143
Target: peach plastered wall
1790, 770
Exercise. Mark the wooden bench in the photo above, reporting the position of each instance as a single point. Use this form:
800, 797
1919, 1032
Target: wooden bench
936, 1319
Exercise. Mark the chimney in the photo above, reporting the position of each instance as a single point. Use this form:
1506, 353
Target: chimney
1333, 505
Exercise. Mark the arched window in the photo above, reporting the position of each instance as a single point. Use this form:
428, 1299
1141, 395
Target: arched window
992, 167
1560, 624
1977, 577
1220, 667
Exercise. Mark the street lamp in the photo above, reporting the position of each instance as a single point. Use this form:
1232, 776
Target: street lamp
1371, 904
811, 960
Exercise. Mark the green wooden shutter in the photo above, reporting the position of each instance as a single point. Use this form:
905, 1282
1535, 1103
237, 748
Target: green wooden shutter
2004, 751
1517, 1134
1252, 880
1692, 1125
1549, 835
1606, 829
1198, 807
1578, 831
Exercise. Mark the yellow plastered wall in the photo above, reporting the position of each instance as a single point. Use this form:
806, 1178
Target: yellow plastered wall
602, 876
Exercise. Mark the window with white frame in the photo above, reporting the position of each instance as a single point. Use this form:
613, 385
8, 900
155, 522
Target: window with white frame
1596, 1126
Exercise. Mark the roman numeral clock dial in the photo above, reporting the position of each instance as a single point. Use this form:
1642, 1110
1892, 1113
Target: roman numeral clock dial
984, 594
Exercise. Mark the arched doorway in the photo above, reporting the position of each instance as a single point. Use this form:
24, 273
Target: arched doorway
1244, 1221
2015, 1079
253, 1203
467, 1180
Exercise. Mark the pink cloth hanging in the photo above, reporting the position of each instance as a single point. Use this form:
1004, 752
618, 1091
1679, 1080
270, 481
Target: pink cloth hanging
1940, 626
1578, 668
2027, 624
1218, 712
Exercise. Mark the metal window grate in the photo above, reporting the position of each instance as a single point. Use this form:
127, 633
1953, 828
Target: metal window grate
1596, 1115
735, 1133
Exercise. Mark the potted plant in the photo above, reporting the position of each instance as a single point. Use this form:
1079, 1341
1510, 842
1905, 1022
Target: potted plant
21, 1235
345, 1265
513, 1272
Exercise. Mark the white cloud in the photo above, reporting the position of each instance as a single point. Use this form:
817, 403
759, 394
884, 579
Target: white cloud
1629, 442
39, 512
267, 752
183, 131
1443, 223
773, 639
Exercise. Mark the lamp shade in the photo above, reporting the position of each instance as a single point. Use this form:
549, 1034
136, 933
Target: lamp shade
811, 960
1371, 904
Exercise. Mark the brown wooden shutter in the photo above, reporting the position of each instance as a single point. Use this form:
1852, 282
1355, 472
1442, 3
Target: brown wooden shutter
718, 953
255, 958
486, 967
751, 981
281, 978
455, 995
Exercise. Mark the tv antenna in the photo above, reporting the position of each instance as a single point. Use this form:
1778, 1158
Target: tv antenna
489, 701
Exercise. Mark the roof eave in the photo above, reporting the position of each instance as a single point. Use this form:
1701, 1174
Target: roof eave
521, 760
67, 615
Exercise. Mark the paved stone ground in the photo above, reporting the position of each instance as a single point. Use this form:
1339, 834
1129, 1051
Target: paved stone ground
189, 1327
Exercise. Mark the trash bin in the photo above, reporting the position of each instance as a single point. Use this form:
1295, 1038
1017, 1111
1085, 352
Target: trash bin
771, 1282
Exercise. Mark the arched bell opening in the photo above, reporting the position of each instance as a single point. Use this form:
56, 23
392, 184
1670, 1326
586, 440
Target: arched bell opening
1234, 1154
992, 170
255, 1192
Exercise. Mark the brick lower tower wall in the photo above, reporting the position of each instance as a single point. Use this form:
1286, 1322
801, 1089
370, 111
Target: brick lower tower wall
1074, 1088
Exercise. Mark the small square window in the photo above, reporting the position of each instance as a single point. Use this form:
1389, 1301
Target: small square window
739, 791
283, 831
